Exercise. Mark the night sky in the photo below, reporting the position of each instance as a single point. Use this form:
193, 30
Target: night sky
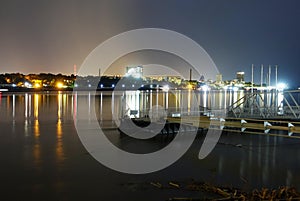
52, 36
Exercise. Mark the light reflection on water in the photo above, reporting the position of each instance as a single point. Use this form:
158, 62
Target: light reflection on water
173, 101
38, 133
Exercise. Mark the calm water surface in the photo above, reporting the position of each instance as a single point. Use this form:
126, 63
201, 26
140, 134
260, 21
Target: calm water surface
42, 157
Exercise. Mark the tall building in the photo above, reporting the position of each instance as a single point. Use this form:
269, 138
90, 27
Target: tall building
136, 71
219, 78
240, 76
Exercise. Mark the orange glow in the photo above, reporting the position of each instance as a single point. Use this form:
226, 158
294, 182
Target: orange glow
36, 106
37, 85
59, 106
190, 86
59, 129
59, 85
59, 143
36, 128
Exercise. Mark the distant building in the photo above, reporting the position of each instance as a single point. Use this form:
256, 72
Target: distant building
136, 71
219, 78
167, 78
240, 76
202, 78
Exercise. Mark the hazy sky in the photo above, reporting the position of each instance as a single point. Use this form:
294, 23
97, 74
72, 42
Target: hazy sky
53, 35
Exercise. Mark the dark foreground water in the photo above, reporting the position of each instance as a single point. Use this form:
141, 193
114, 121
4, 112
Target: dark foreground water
42, 158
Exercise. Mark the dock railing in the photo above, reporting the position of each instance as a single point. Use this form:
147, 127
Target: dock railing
267, 104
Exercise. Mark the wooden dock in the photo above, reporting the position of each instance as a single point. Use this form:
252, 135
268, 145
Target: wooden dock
206, 122
239, 125
173, 125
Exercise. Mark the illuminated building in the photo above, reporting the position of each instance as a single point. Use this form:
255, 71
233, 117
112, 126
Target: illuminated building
167, 78
240, 76
37, 83
219, 78
136, 71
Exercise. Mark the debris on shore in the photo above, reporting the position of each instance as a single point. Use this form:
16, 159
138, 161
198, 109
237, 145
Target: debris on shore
156, 184
283, 193
208, 192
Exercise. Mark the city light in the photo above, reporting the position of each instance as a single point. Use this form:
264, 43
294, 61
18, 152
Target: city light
59, 85
235, 88
165, 88
281, 86
204, 88
38, 82
37, 85
189, 86
27, 84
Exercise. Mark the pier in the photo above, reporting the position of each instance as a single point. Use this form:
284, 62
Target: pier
272, 112
290, 129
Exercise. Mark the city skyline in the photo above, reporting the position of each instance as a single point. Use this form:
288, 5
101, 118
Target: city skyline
268, 80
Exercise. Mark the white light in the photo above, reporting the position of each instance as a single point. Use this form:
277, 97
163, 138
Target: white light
112, 85
205, 88
123, 85
165, 88
89, 85
235, 88
26, 84
175, 114
101, 85
281, 86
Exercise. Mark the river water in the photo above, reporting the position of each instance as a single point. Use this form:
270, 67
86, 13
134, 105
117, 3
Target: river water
42, 157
